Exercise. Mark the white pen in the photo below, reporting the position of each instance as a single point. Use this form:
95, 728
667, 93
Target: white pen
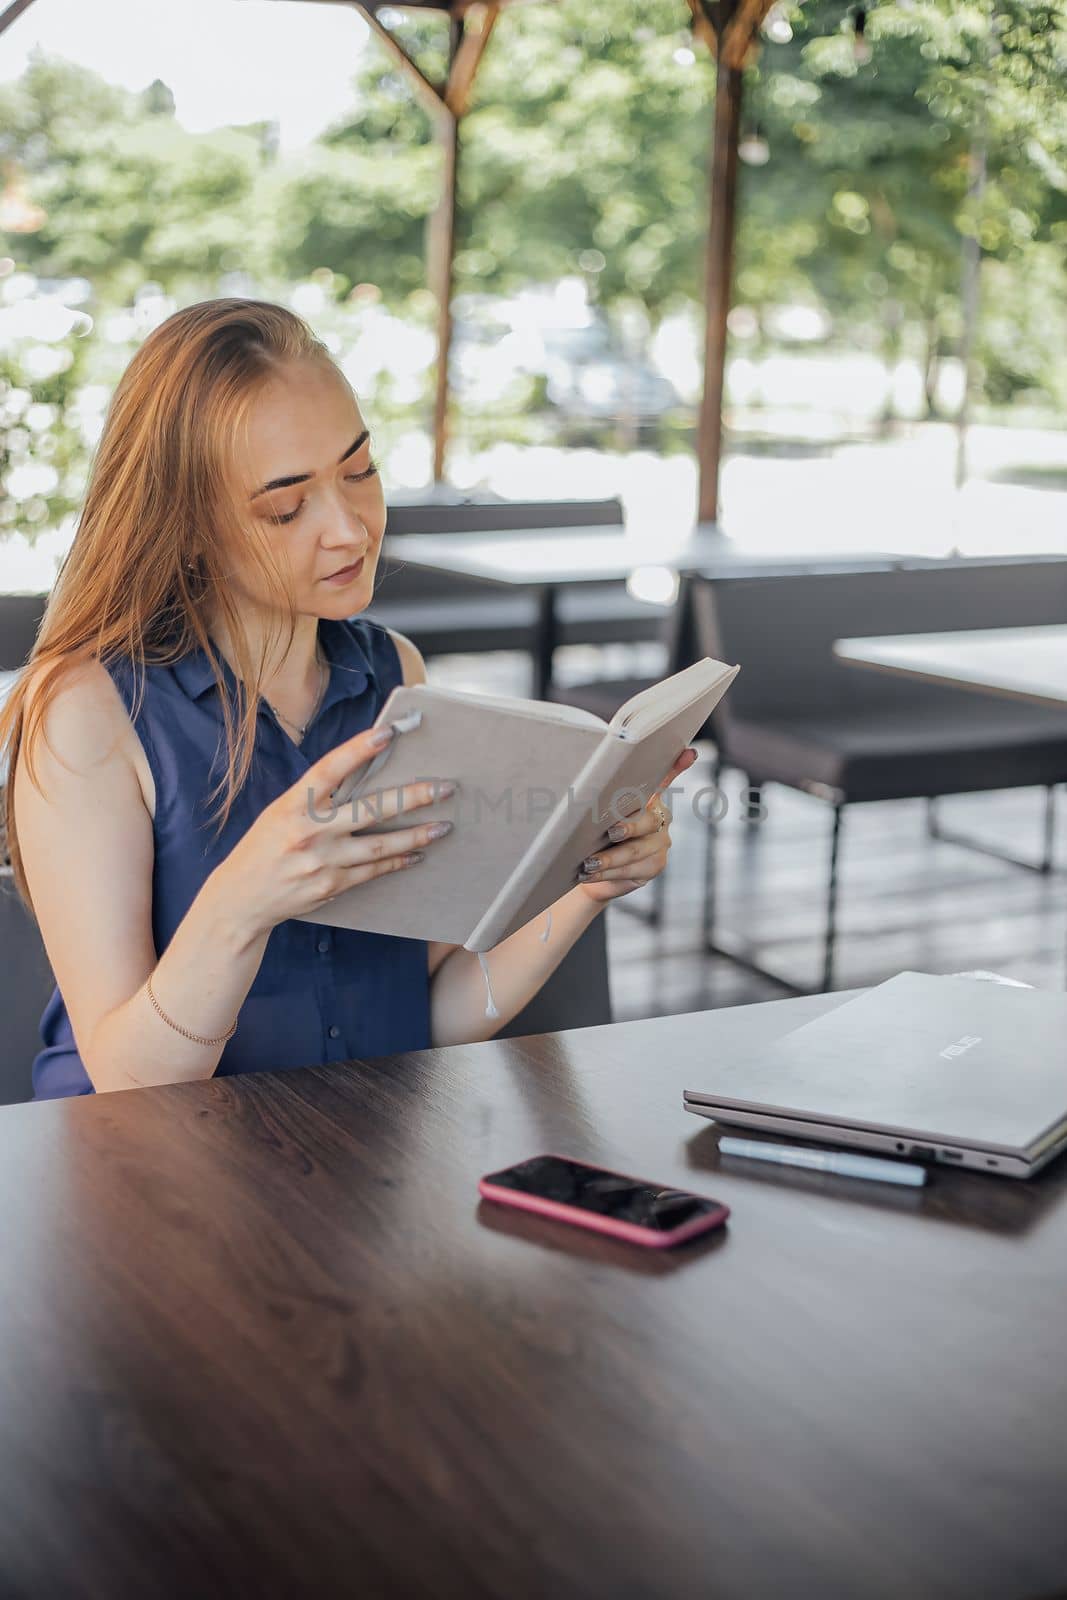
838, 1161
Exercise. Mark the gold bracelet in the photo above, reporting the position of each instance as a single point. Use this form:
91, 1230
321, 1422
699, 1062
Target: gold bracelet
197, 1038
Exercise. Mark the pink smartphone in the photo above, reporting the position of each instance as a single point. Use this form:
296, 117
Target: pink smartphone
608, 1202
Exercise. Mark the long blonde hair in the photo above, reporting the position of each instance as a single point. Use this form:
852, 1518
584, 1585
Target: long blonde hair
147, 556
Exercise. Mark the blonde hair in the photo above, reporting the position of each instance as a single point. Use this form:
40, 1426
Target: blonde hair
147, 558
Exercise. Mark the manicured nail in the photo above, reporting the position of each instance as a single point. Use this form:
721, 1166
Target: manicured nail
618, 831
382, 737
443, 789
591, 864
437, 830
414, 858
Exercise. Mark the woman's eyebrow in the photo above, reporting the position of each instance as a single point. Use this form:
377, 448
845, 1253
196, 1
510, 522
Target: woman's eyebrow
302, 477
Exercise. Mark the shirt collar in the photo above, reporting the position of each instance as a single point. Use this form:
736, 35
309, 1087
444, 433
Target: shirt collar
349, 659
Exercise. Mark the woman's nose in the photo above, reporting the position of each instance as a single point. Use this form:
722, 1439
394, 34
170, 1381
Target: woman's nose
343, 525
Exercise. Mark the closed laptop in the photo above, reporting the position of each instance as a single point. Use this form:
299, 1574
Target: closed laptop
935, 1068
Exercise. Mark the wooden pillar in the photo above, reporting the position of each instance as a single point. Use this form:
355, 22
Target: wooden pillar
440, 274
718, 280
469, 31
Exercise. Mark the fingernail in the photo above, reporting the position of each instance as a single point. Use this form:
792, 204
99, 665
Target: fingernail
444, 789
437, 830
591, 864
382, 737
414, 858
618, 831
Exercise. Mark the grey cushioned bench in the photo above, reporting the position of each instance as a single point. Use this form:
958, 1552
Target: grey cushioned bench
800, 716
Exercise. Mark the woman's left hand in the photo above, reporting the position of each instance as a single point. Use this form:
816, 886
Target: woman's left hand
638, 847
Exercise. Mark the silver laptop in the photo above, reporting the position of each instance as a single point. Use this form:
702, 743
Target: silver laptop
935, 1069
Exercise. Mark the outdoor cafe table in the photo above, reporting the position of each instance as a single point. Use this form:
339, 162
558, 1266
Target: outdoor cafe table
552, 559
1023, 663
1027, 664
260, 1338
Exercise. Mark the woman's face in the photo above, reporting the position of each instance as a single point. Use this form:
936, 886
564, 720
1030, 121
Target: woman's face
310, 485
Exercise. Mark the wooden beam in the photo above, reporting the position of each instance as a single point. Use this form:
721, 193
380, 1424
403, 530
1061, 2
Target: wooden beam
470, 24
432, 95
469, 34
718, 282
739, 34
12, 12
440, 272
477, 24
704, 24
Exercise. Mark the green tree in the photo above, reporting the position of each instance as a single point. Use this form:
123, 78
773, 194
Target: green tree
128, 194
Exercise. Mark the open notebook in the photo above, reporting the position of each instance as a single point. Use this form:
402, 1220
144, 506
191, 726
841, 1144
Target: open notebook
539, 785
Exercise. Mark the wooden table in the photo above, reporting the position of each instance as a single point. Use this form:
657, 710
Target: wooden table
1023, 663
260, 1338
551, 559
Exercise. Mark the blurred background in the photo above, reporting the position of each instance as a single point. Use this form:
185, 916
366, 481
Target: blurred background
902, 248
894, 380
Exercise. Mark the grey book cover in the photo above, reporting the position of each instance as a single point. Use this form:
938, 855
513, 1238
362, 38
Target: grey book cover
539, 785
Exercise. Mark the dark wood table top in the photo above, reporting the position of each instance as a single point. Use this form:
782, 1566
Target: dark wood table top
1022, 663
260, 1338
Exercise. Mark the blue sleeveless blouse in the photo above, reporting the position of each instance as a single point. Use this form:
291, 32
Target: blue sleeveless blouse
321, 994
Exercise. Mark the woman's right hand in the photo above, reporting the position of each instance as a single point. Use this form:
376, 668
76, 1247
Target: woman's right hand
302, 850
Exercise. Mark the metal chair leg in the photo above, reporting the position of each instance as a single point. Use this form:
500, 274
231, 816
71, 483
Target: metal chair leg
716, 944
1044, 866
719, 944
711, 836
652, 915
754, 809
831, 903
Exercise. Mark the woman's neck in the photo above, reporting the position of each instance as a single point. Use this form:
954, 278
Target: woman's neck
292, 678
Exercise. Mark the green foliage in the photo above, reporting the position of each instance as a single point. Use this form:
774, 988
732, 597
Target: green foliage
584, 152
129, 196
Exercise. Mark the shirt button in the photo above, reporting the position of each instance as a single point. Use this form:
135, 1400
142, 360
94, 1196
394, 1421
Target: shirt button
335, 1033
322, 946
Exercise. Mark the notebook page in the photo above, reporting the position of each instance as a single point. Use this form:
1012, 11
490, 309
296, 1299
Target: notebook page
644, 711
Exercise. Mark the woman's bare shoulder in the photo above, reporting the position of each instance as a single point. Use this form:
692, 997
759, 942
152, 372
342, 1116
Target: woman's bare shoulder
414, 667
84, 726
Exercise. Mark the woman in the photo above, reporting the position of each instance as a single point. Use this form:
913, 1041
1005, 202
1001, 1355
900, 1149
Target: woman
200, 674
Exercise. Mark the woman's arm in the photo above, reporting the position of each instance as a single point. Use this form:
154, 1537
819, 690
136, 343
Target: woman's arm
87, 849
521, 964
635, 853
518, 968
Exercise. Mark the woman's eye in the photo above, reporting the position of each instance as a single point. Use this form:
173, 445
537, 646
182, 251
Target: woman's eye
353, 477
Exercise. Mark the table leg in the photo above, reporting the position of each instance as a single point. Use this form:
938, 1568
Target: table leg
544, 641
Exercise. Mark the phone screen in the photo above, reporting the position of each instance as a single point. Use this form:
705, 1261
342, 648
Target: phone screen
608, 1194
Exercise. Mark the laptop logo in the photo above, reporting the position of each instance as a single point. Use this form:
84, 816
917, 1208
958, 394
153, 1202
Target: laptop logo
961, 1046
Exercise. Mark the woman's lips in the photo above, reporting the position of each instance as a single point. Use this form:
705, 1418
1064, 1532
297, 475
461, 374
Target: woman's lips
347, 574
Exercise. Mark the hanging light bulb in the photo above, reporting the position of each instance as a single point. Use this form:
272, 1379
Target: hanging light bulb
753, 148
861, 48
776, 25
